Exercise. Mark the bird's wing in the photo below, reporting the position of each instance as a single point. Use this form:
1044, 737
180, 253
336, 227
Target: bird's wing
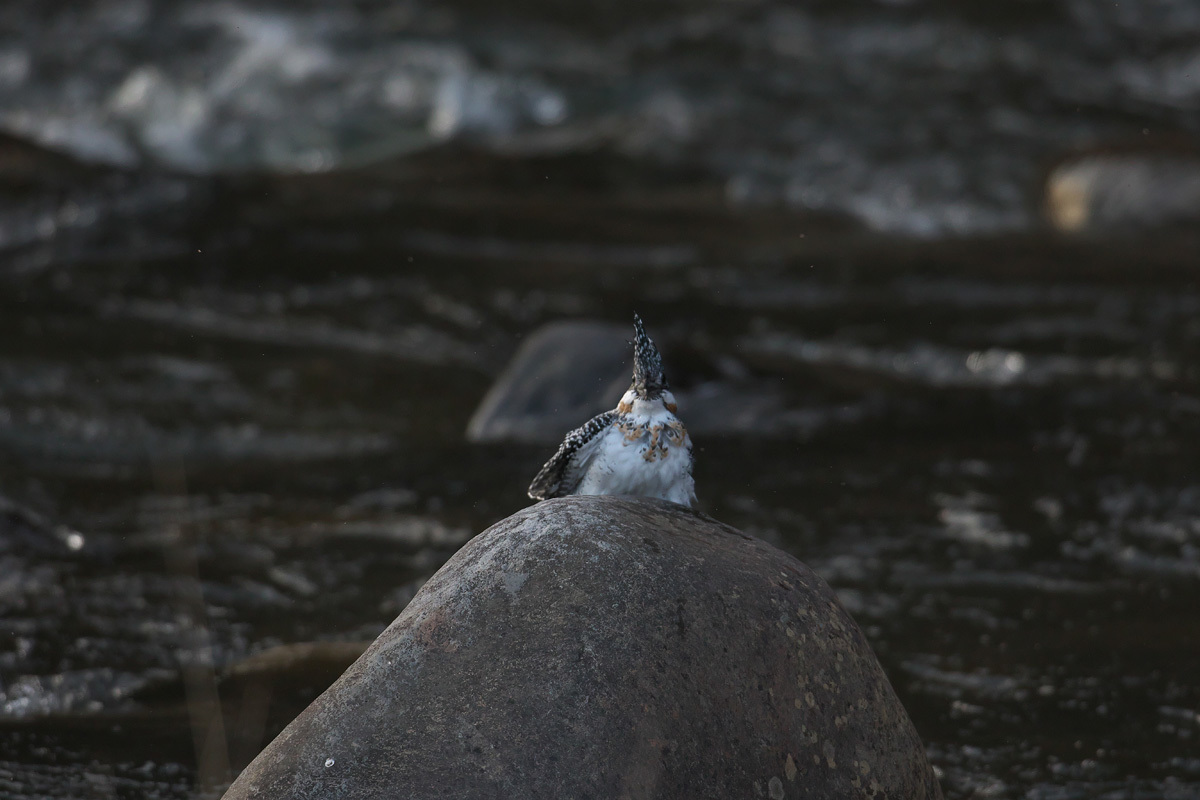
565, 469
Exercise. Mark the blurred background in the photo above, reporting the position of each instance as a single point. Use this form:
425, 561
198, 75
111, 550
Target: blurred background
295, 298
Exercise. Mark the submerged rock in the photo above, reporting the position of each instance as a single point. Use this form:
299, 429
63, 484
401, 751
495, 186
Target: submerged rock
607, 647
1103, 192
564, 374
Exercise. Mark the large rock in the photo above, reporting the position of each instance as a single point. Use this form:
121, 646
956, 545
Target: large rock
607, 647
564, 374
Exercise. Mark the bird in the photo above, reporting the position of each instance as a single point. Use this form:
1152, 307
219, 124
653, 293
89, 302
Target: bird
639, 448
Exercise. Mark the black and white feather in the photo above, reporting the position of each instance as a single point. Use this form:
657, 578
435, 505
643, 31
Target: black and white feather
566, 468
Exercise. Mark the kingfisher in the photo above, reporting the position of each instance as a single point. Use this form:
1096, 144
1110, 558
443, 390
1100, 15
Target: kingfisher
638, 448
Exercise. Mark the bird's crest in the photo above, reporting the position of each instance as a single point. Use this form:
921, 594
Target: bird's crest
648, 378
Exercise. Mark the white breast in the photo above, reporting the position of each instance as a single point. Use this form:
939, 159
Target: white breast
643, 454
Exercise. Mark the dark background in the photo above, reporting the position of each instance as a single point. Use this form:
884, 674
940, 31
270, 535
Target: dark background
923, 273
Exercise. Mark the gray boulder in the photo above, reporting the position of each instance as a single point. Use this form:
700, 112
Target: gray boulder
551, 385
1105, 192
607, 647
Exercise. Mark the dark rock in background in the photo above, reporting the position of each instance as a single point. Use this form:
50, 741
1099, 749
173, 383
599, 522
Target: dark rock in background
608, 647
564, 374
1124, 189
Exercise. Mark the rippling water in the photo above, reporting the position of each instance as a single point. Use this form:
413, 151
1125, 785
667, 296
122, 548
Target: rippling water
233, 394
244, 428
922, 117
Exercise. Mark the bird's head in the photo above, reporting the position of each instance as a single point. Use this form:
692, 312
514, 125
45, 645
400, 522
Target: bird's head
649, 382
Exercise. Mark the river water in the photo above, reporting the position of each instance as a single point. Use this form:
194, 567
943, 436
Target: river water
923, 117
235, 377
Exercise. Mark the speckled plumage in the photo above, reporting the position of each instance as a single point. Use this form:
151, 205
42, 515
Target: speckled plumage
563, 471
648, 378
640, 448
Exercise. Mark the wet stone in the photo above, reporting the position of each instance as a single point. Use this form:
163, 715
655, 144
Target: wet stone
1102, 192
647, 651
551, 385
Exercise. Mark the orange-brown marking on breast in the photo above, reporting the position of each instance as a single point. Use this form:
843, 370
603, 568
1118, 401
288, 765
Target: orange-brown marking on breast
652, 451
676, 432
671, 407
624, 408
632, 432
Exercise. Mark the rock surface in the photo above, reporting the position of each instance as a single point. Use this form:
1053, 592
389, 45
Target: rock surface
607, 647
1105, 192
551, 384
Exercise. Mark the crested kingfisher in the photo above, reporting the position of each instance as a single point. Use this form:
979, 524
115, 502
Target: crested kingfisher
638, 448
